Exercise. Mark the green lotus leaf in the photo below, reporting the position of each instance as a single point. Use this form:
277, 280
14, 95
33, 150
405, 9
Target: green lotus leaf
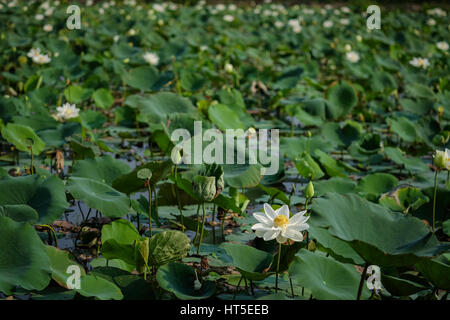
20, 213
242, 176
180, 280
60, 261
103, 98
334, 184
307, 167
403, 127
375, 184
100, 288
341, 98
327, 278
132, 286
46, 196
23, 260
100, 196
168, 246
250, 262
380, 237
105, 169
403, 199
224, 117
76, 94
143, 78
158, 107
402, 286
23, 138
130, 183
337, 248
436, 270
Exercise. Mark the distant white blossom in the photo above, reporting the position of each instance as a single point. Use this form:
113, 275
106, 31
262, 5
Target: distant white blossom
419, 62
228, 18
67, 111
151, 58
442, 45
327, 24
352, 56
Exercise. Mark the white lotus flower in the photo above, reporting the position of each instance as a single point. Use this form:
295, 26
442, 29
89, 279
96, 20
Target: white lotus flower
352, 56
442, 159
344, 21
48, 28
359, 38
442, 45
131, 32
228, 67
228, 18
151, 58
348, 48
279, 24
419, 62
39, 17
67, 111
328, 24
34, 53
276, 224
42, 59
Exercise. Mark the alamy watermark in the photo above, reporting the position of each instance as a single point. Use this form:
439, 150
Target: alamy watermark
235, 146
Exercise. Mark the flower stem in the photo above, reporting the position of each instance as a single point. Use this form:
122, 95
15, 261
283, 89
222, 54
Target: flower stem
361, 282
150, 208
434, 198
198, 224
203, 229
278, 267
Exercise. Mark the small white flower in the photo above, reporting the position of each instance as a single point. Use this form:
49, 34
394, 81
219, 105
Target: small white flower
279, 24
34, 53
442, 159
359, 38
228, 68
348, 48
327, 24
42, 59
344, 21
39, 17
442, 45
431, 22
131, 32
67, 111
228, 18
419, 62
276, 224
48, 28
151, 58
203, 48
345, 9
101, 11
116, 38
352, 56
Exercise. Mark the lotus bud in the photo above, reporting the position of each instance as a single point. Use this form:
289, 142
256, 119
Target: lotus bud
440, 159
141, 253
309, 134
440, 111
312, 246
209, 183
22, 59
205, 188
309, 190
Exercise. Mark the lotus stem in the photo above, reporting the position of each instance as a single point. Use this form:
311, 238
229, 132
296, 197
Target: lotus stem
223, 225
150, 207
198, 224
178, 198
237, 288
203, 229
361, 282
292, 287
213, 226
434, 198
278, 267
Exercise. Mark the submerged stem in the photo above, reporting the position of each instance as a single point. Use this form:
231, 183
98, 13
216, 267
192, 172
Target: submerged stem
434, 198
203, 228
278, 267
150, 208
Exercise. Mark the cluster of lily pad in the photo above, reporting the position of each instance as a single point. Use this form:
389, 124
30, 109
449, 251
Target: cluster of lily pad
86, 117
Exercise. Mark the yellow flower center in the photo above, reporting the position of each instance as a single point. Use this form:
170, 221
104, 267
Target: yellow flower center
281, 221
